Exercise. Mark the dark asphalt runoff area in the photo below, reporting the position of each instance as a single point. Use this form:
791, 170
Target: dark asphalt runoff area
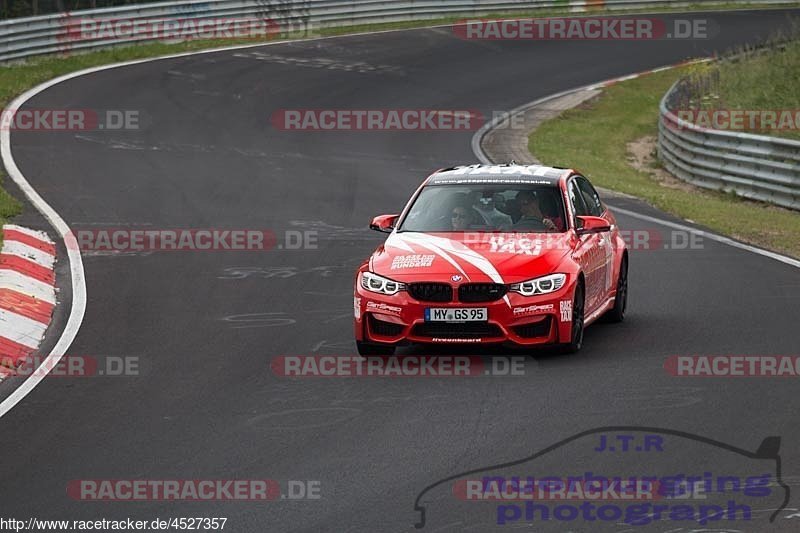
206, 325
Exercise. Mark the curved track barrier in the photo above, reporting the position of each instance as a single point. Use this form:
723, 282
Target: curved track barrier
757, 167
91, 29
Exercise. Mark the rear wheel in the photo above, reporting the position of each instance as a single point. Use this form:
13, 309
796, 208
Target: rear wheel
617, 313
367, 349
576, 340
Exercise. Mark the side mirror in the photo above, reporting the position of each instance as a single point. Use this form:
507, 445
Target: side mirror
588, 224
384, 223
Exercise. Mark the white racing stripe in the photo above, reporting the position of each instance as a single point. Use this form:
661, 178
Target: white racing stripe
20, 249
396, 241
469, 255
441, 253
461, 251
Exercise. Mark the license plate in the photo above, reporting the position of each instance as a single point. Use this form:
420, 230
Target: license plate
456, 314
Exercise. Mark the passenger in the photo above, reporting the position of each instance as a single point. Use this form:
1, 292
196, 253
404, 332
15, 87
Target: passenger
460, 218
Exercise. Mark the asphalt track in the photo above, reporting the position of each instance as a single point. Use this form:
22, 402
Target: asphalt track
208, 405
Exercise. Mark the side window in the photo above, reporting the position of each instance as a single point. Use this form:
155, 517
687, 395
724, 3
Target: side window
590, 196
576, 199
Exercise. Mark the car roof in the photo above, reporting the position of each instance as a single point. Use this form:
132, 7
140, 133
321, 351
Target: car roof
490, 174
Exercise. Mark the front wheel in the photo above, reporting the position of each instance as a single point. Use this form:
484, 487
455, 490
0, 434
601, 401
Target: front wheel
617, 313
576, 340
366, 349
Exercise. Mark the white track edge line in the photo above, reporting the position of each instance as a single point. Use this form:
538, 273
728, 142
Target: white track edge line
712, 236
73, 255
477, 149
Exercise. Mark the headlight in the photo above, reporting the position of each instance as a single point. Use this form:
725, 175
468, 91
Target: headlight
375, 283
543, 285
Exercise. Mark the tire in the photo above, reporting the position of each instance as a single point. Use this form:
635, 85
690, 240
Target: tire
617, 313
578, 308
367, 349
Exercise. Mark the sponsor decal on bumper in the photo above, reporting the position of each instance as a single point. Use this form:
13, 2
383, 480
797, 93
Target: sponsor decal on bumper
533, 310
384, 308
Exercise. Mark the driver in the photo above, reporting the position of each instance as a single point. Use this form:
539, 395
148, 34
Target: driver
532, 212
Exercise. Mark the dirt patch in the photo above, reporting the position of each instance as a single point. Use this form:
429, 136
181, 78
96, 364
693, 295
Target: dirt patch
642, 157
589, 103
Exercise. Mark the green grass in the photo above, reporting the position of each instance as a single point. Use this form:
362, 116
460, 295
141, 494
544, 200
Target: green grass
18, 77
594, 138
769, 81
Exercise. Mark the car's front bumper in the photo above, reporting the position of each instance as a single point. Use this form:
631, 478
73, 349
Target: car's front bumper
514, 319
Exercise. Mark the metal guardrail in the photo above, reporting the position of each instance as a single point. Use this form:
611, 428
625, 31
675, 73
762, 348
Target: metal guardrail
757, 167
60, 33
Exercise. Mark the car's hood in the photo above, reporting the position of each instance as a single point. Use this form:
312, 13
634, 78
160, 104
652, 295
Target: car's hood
476, 257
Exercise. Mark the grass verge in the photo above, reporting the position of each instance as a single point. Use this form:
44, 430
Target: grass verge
755, 80
18, 77
595, 138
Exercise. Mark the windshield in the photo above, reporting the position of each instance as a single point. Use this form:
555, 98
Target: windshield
527, 208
